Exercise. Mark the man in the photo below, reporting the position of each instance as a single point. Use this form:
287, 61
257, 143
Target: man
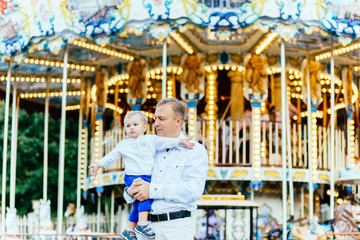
178, 177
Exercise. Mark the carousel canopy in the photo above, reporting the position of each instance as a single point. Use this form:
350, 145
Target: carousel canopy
112, 33
28, 26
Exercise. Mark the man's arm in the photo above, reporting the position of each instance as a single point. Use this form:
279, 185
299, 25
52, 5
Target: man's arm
128, 194
190, 189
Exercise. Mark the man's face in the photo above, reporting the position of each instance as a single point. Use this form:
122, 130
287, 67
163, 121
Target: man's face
167, 123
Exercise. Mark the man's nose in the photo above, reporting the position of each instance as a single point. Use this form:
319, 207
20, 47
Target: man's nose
156, 122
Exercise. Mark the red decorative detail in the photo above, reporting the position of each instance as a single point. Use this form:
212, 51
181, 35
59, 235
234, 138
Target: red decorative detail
4, 5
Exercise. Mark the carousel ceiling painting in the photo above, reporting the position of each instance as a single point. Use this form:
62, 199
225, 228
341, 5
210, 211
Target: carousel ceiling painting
46, 25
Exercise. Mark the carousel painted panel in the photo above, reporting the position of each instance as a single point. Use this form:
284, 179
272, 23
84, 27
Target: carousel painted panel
106, 179
230, 173
270, 174
349, 175
323, 177
300, 175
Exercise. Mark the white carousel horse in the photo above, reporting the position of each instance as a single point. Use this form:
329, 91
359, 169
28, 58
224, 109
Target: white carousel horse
45, 225
12, 229
81, 225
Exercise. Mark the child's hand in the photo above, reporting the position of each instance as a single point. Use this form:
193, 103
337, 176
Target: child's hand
186, 142
94, 168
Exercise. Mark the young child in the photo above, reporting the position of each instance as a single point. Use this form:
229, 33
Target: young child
139, 156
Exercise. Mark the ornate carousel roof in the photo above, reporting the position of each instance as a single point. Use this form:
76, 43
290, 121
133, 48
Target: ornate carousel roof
112, 33
29, 25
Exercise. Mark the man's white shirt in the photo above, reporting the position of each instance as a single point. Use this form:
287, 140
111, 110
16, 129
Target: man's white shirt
178, 178
139, 153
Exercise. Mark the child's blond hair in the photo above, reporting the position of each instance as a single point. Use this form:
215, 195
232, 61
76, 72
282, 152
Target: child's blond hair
141, 115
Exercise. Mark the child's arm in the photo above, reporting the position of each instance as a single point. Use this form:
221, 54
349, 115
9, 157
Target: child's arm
166, 142
109, 158
94, 168
186, 142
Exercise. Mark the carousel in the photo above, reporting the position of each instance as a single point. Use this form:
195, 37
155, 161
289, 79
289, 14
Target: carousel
271, 88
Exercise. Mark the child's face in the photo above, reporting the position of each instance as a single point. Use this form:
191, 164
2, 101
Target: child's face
135, 126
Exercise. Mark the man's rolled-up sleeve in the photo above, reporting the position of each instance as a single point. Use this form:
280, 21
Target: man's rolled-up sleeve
127, 197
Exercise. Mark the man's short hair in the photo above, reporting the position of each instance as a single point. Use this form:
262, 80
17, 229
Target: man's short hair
179, 107
141, 115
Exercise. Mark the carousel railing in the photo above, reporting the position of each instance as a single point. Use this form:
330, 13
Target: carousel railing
233, 148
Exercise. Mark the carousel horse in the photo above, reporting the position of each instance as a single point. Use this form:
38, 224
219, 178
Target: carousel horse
310, 231
12, 229
301, 229
45, 226
344, 219
81, 225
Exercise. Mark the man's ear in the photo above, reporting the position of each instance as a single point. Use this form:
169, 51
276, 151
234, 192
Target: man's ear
179, 120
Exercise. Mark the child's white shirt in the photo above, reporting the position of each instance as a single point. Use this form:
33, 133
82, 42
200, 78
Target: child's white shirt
139, 153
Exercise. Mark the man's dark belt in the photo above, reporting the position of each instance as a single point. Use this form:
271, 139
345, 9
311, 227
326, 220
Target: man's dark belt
168, 216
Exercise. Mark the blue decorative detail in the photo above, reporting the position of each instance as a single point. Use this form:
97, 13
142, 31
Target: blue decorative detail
314, 108
195, 96
99, 191
229, 19
99, 116
192, 104
85, 124
315, 186
348, 190
164, 10
136, 107
244, 190
256, 185
85, 195
223, 172
114, 176
224, 57
97, 28
119, 68
255, 104
100, 109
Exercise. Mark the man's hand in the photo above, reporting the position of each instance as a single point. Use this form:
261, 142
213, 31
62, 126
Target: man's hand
94, 168
141, 190
186, 142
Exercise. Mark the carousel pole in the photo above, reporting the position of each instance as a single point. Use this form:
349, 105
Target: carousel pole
78, 187
164, 63
6, 128
13, 144
62, 147
332, 133
98, 213
311, 189
46, 137
291, 185
283, 139
112, 211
